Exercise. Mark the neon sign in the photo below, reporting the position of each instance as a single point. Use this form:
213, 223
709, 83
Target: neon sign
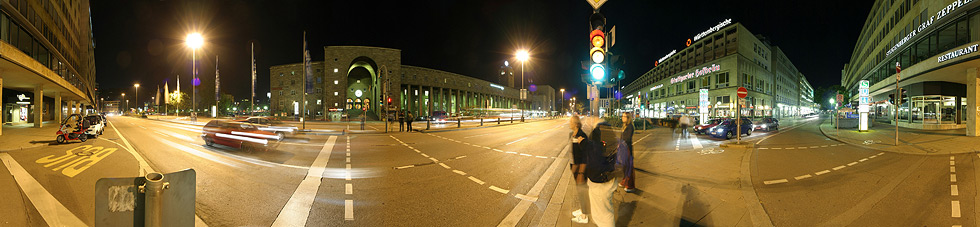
667, 56
657, 87
958, 53
497, 86
697, 73
712, 30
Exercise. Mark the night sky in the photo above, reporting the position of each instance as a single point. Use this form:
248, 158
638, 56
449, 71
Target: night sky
143, 41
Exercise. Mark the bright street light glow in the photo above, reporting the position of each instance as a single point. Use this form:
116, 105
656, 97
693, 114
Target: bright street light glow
523, 55
195, 40
136, 85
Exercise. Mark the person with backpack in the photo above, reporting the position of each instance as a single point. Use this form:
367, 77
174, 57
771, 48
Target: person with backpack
599, 168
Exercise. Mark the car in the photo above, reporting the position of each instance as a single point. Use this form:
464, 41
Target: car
96, 125
767, 124
703, 129
726, 129
439, 117
244, 136
272, 125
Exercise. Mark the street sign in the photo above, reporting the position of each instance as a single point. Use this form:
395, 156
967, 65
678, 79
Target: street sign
840, 99
596, 3
523, 94
742, 92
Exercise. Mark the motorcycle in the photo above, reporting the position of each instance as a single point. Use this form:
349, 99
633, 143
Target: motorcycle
67, 133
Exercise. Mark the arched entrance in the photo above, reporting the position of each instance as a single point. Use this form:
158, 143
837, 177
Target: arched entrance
362, 88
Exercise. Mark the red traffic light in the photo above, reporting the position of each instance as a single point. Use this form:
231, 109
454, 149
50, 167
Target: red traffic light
598, 38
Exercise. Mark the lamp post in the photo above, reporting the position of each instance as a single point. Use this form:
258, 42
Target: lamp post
562, 102
137, 86
194, 41
522, 56
127, 101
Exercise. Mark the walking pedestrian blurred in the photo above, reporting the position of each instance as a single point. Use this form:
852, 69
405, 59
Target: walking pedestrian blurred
599, 169
579, 145
626, 155
401, 121
409, 120
685, 122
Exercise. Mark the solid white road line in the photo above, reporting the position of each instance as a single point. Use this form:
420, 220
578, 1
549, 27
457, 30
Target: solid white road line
515, 141
144, 167
954, 190
775, 181
348, 210
52, 211
405, 167
521, 208
297, 209
697, 143
956, 209
822, 172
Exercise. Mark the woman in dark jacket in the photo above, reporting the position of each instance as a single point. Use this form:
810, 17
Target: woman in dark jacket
579, 145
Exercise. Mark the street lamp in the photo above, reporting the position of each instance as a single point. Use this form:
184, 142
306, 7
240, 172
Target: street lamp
127, 101
137, 86
194, 41
522, 56
562, 102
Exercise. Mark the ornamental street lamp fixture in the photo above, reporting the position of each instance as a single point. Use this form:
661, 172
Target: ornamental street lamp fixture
194, 41
523, 56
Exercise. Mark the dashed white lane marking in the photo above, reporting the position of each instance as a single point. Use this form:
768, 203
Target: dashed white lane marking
952, 169
790, 148
51, 210
349, 189
501, 190
518, 140
952, 158
852, 164
952, 162
444, 165
814, 146
349, 210
763, 148
478, 181
803, 177
838, 168
459, 172
863, 159
952, 178
956, 208
822, 172
775, 181
777, 148
523, 154
297, 209
954, 190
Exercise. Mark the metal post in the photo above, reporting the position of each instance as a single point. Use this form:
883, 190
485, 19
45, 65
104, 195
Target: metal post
459, 121
153, 190
738, 121
429, 119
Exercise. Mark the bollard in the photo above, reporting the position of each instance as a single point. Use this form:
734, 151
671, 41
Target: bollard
427, 123
481, 121
498, 120
458, 122
511, 119
153, 190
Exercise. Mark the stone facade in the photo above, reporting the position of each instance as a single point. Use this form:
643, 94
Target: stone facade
371, 71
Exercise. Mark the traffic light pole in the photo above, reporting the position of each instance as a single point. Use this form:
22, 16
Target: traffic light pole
898, 98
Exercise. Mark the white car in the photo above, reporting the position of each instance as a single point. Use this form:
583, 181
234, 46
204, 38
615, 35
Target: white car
96, 125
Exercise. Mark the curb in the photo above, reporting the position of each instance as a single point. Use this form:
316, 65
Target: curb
24, 147
878, 149
734, 145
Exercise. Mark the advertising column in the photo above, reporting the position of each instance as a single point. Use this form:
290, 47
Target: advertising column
703, 105
864, 102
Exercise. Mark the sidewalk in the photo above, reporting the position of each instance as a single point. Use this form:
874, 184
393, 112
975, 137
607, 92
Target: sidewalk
678, 189
911, 141
23, 136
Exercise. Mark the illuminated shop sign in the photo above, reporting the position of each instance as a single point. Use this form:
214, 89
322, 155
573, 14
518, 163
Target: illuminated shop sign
958, 53
497, 86
864, 95
657, 87
714, 29
697, 73
667, 56
22, 97
926, 23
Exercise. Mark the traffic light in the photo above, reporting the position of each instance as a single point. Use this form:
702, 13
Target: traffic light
597, 53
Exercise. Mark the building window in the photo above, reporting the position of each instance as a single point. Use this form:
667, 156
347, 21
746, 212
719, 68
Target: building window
335, 69
336, 82
336, 93
293, 92
280, 93
721, 80
706, 82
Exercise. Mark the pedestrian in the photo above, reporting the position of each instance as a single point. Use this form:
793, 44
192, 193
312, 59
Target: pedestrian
579, 145
409, 122
401, 121
685, 122
599, 170
626, 155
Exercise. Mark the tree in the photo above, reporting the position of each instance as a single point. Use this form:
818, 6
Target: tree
226, 104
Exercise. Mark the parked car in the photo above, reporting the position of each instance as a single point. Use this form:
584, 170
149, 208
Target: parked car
703, 129
767, 124
96, 125
727, 128
272, 125
244, 136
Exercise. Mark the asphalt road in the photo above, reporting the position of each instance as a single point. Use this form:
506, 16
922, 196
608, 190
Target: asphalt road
501, 174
